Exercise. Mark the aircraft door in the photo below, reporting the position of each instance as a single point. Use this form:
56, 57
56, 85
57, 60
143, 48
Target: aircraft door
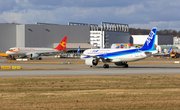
136, 53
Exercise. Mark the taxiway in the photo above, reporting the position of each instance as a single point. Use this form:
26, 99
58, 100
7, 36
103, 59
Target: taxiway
83, 70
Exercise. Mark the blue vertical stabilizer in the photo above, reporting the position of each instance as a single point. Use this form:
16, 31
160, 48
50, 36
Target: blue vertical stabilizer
150, 41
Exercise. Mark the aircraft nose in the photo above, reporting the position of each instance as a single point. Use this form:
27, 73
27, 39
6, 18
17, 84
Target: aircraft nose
7, 52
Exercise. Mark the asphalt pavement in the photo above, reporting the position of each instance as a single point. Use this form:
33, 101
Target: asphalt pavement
83, 70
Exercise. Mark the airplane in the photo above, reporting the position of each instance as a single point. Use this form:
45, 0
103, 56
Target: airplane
35, 53
164, 54
121, 56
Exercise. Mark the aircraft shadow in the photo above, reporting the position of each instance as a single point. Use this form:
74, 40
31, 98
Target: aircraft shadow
141, 67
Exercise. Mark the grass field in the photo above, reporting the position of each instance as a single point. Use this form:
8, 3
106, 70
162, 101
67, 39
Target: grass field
136, 92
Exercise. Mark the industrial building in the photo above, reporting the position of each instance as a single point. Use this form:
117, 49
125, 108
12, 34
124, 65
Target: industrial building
160, 39
162, 42
108, 34
48, 35
176, 42
79, 34
40, 35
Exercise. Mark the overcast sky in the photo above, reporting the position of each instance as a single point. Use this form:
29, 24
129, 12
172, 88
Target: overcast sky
163, 14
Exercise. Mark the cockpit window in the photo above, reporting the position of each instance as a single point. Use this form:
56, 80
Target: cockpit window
10, 49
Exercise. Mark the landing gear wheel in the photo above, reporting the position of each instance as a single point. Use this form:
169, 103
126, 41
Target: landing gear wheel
31, 58
40, 58
14, 58
125, 66
105, 66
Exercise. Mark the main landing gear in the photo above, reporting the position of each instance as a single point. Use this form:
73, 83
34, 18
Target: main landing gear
125, 65
11, 57
105, 66
36, 58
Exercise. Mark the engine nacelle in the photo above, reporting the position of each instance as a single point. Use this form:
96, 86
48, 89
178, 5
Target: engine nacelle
20, 56
34, 55
91, 62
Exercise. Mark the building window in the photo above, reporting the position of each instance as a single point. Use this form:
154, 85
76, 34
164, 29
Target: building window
30, 30
95, 33
95, 44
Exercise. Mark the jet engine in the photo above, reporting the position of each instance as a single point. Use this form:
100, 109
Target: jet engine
91, 62
34, 55
22, 56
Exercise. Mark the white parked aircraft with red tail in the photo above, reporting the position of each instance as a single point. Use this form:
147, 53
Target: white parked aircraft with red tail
35, 53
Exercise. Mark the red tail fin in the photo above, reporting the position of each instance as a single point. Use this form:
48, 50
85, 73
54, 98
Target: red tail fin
62, 44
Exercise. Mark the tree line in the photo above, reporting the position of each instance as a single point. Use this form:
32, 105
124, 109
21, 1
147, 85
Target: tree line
168, 32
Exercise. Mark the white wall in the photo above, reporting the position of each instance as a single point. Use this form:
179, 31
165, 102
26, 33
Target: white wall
95, 38
140, 39
20, 35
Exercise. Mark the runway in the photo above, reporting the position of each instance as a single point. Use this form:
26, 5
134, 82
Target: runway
83, 70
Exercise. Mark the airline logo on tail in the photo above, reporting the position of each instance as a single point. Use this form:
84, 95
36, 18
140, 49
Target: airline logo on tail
170, 49
150, 37
63, 44
150, 41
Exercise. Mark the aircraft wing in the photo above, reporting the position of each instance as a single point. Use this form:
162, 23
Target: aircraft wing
148, 53
41, 53
162, 54
98, 57
93, 56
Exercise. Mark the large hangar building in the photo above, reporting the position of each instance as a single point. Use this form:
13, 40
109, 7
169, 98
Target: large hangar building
108, 34
79, 34
48, 35
40, 35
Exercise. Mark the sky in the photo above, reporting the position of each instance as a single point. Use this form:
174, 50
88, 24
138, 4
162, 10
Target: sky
144, 14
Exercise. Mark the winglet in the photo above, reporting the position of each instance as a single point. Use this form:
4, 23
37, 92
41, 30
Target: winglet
150, 41
62, 44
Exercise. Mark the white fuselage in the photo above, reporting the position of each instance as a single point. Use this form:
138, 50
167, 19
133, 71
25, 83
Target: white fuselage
28, 51
116, 55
